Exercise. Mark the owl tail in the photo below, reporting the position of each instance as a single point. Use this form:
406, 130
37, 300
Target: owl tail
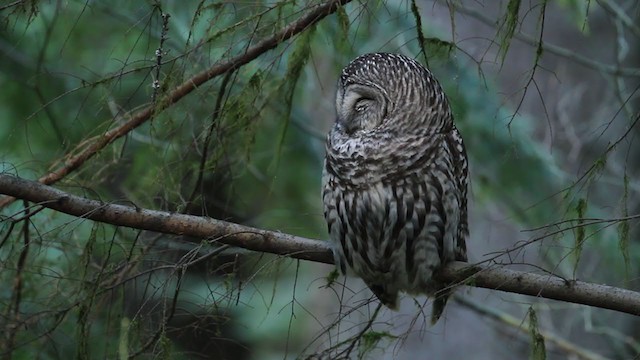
387, 297
439, 302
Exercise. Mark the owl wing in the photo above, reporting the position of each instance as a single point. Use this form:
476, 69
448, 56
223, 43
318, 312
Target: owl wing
461, 175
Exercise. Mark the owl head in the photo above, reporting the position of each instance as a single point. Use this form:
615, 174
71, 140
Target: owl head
391, 93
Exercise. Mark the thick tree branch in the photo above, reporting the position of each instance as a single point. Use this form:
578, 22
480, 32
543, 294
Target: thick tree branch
74, 161
497, 278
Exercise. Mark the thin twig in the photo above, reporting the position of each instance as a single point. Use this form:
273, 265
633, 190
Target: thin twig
554, 49
619, 13
523, 327
13, 310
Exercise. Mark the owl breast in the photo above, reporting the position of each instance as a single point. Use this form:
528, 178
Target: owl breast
393, 232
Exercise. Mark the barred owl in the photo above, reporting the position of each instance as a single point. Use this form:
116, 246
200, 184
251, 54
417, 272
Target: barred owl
395, 179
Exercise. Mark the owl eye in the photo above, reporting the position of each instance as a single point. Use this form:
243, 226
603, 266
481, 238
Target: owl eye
359, 107
362, 104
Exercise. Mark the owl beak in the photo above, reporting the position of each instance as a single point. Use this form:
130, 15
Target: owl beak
346, 126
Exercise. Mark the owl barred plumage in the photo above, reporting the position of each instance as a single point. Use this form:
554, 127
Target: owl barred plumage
395, 179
